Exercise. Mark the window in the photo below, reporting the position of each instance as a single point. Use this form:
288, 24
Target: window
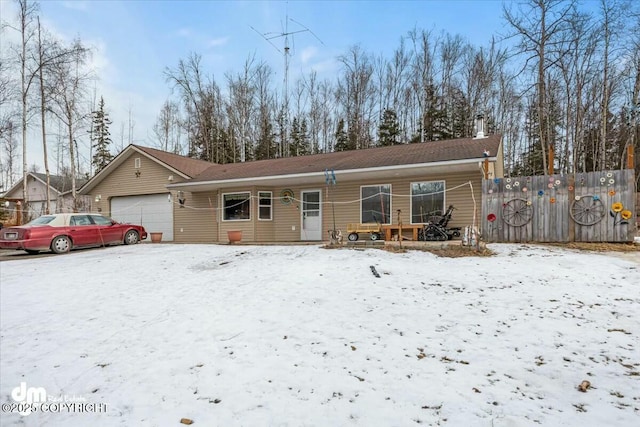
375, 204
427, 199
136, 163
236, 206
101, 220
80, 220
264, 205
42, 220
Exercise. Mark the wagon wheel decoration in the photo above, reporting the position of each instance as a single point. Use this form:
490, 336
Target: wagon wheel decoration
517, 212
587, 210
286, 196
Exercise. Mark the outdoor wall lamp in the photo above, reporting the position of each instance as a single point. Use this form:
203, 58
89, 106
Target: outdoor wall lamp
98, 198
137, 174
181, 198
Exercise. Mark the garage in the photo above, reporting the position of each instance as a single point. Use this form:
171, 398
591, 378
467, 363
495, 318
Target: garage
153, 211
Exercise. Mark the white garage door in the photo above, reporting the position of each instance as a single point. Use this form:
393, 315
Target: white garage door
154, 212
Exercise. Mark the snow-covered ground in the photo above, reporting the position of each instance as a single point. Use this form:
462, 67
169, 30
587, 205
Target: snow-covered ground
301, 335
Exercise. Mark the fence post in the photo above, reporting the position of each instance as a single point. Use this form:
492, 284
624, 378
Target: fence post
19, 212
571, 196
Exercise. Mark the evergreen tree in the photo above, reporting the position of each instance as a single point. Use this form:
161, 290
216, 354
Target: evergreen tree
389, 129
266, 147
294, 134
100, 138
435, 126
342, 141
299, 138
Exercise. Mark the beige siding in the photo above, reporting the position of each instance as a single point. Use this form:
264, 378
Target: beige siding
264, 229
201, 218
247, 227
288, 218
123, 182
347, 205
197, 222
201, 221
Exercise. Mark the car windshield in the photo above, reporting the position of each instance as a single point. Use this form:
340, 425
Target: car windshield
42, 220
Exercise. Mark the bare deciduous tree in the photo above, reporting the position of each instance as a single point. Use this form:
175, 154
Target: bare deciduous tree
202, 105
357, 96
538, 27
67, 88
167, 128
241, 106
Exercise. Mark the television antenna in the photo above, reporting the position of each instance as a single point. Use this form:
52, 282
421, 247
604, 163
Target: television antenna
286, 52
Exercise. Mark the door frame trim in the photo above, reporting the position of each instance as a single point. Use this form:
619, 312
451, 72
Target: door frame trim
311, 190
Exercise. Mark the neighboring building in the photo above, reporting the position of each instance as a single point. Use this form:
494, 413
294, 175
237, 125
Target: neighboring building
60, 197
294, 199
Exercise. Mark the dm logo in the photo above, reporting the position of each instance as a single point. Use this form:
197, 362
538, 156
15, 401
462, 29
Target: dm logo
29, 396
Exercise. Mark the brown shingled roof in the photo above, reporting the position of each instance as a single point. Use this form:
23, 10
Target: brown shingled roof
186, 165
406, 154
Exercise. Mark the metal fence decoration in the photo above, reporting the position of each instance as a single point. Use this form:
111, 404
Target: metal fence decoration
582, 207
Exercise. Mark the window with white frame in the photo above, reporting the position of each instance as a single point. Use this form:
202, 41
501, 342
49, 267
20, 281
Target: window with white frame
427, 199
375, 204
264, 205
136, 163
236, 206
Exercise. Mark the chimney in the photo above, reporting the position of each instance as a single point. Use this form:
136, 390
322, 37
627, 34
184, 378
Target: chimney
479, 127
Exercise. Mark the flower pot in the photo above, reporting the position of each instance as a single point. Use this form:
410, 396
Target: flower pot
156, 237
234, 236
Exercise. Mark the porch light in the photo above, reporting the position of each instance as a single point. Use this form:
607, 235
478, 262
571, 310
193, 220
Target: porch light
181, 198
98, 198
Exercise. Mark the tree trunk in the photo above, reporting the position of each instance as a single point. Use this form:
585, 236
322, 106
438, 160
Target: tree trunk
24, 88
42, 116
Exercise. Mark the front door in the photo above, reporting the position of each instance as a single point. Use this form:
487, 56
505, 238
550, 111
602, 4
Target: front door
311, 215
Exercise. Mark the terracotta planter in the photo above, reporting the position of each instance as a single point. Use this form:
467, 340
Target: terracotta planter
234, 236
156, 237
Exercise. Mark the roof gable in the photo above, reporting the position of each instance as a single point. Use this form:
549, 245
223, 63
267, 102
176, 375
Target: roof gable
188, 166
59, 184
184, 166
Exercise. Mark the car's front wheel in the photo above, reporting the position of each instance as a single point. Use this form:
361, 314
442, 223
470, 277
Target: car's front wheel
131, 238
61, 245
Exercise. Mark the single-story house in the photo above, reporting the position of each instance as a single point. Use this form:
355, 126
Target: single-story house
60, 197
297, 198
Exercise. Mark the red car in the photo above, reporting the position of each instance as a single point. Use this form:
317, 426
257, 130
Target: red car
63, 232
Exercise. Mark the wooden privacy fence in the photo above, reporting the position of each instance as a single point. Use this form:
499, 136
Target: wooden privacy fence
582, 207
